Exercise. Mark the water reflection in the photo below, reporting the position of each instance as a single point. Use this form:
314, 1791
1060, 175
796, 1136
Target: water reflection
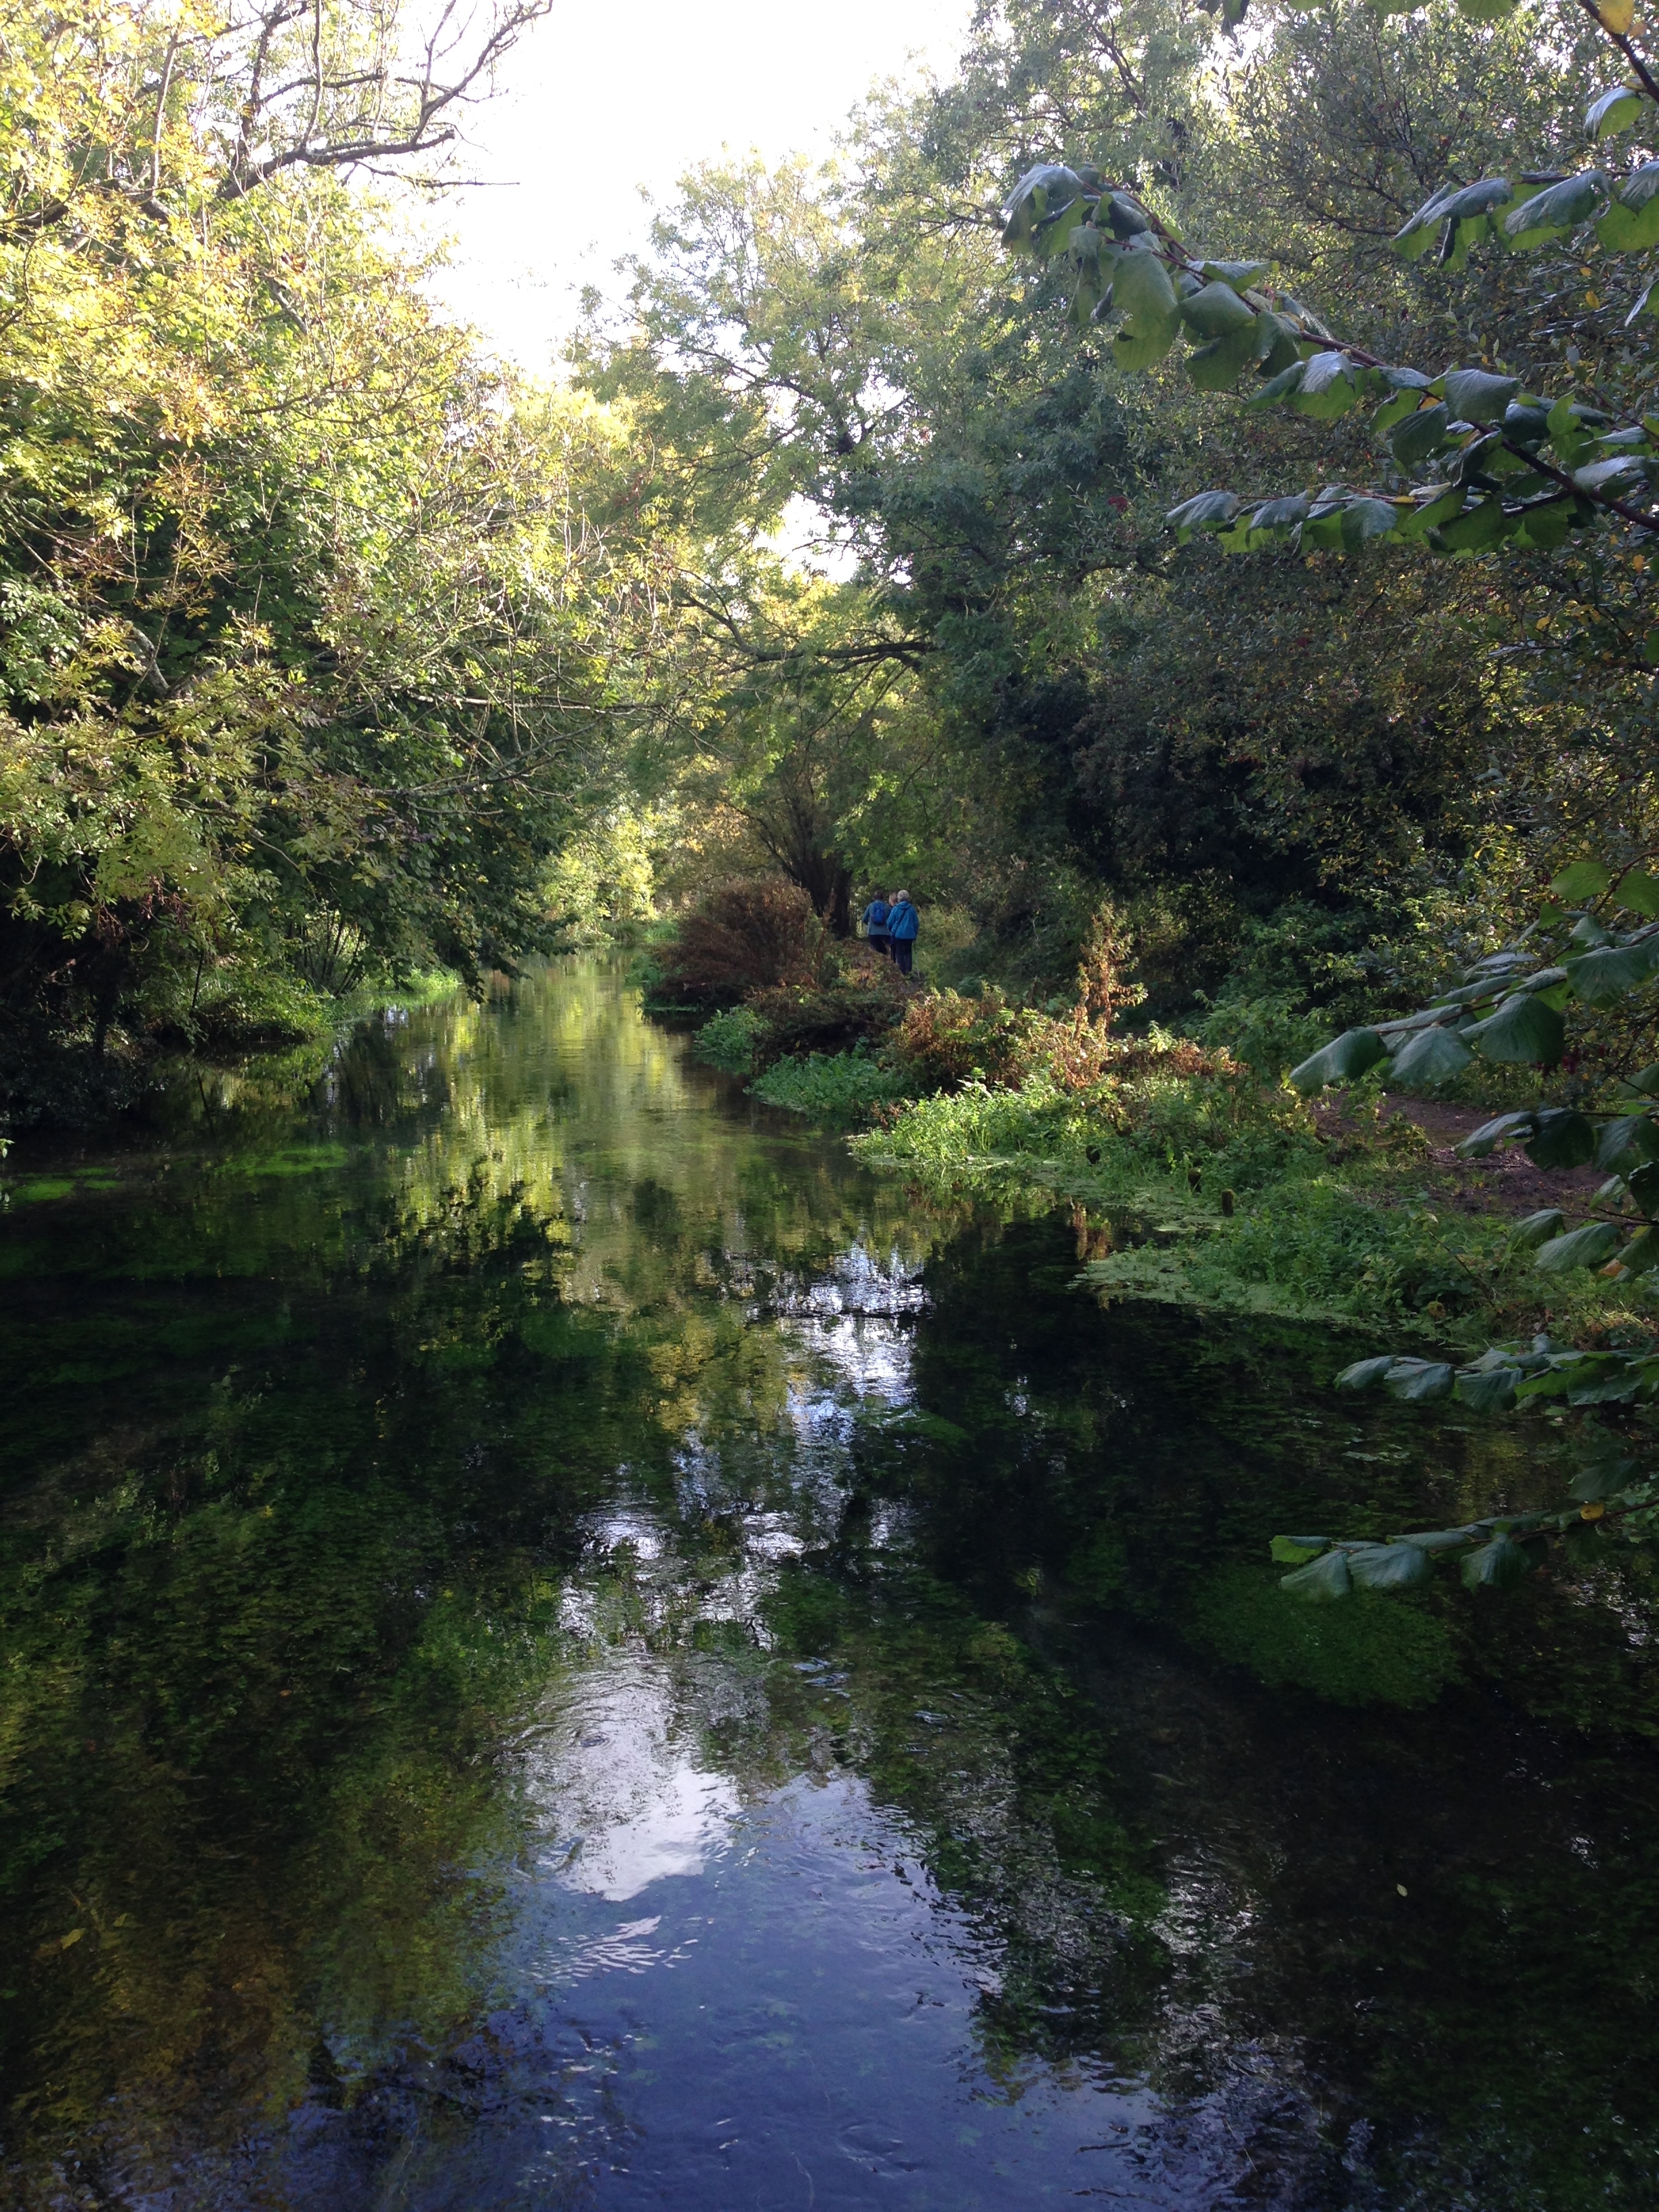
565, 1646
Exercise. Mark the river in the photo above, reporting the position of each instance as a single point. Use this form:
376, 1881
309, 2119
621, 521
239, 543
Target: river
565, 1644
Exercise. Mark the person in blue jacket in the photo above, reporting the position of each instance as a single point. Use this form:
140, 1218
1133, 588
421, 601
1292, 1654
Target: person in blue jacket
875, 926
902, 923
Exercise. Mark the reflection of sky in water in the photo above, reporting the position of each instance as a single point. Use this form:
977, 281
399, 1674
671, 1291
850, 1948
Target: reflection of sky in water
624, 1805
855, 1282
791, 2022
787, 2007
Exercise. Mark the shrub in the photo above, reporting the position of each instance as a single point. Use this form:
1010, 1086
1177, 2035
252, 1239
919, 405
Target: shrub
858, 1007
741, 938
946, 1041
728, 1041
1270, 1032
844, 1087
1155, 1103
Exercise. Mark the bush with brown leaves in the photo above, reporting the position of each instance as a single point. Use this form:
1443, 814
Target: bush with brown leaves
946, 1040
741, 938
862, 1005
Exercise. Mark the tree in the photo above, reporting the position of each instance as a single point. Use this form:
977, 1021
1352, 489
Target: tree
316, 644
853, 338
1516, 469
1514, 466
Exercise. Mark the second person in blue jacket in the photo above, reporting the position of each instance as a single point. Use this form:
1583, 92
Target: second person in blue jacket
904, 923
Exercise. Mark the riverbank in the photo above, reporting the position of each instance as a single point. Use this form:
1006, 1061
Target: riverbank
281, 1035
1216, 1192
1194, 1179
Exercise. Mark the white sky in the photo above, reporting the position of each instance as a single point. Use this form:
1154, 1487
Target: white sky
602, 100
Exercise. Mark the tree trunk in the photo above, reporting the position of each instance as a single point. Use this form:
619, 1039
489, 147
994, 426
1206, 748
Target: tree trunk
828, 882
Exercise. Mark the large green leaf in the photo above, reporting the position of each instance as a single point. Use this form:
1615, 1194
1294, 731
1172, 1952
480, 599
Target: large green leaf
1522, 1028
1488, 1137
1477, 199
1363, 519
1323, 527
1279, 346
1434, 513
1365, 1372
1431, 1056
1340, 1061
1419, 434
1419, 1382
1535, 1229
1210, 510
1296, 1551
1123, 218
1592, 1246
1465, 207
1322, 1582
1601, 979
1627, 1142
1134, 352
1143, 293
1217, 366
1638, 892
1399, 1565
1477, 528
1555, 211
1414, 240
1241, 275
1630, 225
1580, 880
1035, 205
1394, 409
1282, 386
1475, 395
1215, 311
1276, 514
1546, 523
1561, 1138
1619, 472
1610, 112
1491, 1391
1329, 389
1496, 1566
1605, 1477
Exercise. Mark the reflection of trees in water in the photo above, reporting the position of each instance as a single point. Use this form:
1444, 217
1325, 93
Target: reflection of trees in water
1381, 1945
367, 1456
334, 1417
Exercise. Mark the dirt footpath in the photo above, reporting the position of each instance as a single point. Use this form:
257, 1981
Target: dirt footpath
1505, 1182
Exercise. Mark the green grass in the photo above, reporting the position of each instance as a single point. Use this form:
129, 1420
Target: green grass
1224, 1196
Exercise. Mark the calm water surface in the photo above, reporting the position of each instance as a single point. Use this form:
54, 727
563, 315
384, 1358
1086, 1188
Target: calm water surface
565, 1646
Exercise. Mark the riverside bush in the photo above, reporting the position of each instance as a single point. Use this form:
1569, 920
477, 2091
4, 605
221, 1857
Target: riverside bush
728, 1039
945, 1040
1209, 1188
861, 1006
741, 938
841, 1087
